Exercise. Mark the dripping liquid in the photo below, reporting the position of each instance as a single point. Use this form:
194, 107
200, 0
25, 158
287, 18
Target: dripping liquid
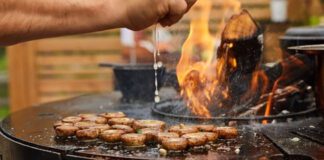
156, 64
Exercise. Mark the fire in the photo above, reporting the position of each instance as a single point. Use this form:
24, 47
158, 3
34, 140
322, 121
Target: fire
286, 71
195, 62
201, 76
205, 71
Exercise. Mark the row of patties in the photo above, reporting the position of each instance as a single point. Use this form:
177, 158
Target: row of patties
116, 127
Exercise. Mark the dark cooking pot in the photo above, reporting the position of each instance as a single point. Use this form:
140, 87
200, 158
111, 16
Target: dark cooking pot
297, 36
136, 81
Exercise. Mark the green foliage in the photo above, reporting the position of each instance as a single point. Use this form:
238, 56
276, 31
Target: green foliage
4, 111
3, 60
3, 90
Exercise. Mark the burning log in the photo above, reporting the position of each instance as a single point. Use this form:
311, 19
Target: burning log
233, 81
240, 51
281, 96
287, 72
242, 33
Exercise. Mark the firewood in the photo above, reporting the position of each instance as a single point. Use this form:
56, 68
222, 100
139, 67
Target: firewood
240, 42
280, 96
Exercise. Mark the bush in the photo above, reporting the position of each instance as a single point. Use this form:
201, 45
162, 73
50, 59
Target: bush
3, 60
4, 111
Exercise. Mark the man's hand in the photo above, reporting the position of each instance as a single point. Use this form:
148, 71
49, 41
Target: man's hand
23, 20
140, 14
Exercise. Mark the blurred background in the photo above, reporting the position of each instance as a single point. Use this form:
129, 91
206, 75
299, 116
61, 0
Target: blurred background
58, 68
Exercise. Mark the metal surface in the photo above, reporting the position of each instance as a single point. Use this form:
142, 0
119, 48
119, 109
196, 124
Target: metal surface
31, 129
175, 108
292, 145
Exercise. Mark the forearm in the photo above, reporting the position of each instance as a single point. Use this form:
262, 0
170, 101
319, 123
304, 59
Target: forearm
22, 20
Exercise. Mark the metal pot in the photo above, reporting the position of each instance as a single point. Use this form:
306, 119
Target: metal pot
136, 81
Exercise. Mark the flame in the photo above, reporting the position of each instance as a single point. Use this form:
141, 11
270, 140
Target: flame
259, 83
287, 69
258, 76
197, 54
199, 73
203, 73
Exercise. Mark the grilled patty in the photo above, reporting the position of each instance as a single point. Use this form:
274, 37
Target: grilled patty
175, 143
87, 134
139, 124
195, 139
111, 135
206, 127
133, 139
71, 119
211, 136
166, 135
227, 132
101, 127
150, 134
125, 128
65, 131
110, 115
85, 125
60, 123
96, 119
183, 129
121, 121
87, 115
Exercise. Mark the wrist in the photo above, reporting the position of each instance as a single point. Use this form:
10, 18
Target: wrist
113, 13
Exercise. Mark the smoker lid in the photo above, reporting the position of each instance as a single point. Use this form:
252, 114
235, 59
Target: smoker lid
306, 31
309, 49
296, 36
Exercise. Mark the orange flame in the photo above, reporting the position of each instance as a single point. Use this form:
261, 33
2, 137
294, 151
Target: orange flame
286, 70
196, 68
259, 81
202, 76
197, 54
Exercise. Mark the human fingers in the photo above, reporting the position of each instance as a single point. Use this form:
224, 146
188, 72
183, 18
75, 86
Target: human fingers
190, 3
177, 8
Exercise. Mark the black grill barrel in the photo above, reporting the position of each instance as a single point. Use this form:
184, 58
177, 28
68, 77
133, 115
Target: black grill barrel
32, 137
316, 51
